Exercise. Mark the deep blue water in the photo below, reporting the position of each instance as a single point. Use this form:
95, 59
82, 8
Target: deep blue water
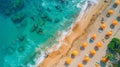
28, 24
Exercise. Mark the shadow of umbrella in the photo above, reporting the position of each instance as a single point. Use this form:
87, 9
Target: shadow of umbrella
118, 18
91, 56
112, 26
107, 15
72, 56
96, 48
66, 65
114, 6
102, 64
91, 40
100, 30
107, 37
84, 62
82, 48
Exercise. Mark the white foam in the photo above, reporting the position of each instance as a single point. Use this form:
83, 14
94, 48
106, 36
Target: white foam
93, 1
64, 33
40, 59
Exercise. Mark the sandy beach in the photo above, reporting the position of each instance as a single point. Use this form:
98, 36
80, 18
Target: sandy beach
81, 32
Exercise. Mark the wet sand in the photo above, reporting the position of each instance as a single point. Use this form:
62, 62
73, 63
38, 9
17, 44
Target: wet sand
80, 33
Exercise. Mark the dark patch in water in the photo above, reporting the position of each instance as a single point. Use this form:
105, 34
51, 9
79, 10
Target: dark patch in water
58, 8
39, 31
17, 18
48, 9
46, 18
34, 28
21, 38
21, 49
8, 7
32, 18
57, 21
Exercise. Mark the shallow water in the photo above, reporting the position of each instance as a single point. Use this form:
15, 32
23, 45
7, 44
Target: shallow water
29, 24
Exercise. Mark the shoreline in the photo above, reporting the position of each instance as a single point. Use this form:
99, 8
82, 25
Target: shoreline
54, 57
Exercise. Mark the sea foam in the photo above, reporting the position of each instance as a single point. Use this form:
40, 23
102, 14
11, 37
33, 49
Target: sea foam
64, 33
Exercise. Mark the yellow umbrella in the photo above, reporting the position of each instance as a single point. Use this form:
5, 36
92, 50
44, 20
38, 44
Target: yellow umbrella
92, 52
68, 60
98, 44
97, 65
109, 33
74, 53
117, 2
104, 59
94, 36
110, 12
103, 26
84, 45
115, 22
86, 58
80, 65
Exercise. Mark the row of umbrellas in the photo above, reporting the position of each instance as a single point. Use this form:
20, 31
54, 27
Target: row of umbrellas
98, 44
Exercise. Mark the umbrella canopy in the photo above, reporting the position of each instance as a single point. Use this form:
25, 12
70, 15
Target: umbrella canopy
115, 22
86, 58
74, 53
92, 52
84, 44
68, 60
80, 65
97, 65
119, 16
103, 26
94, 36
109, 33
98, 44
110, 12
117, 2
104, 59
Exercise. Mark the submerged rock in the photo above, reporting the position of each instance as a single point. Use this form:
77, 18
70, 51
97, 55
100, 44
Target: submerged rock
17, 4
57, 21
21, 38
34, 27
17, 18
21, 49
9, 7
46, 18
39, 31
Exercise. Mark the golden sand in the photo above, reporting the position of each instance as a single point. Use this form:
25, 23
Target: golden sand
78, 30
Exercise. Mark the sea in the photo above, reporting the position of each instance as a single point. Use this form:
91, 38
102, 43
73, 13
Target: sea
28, 27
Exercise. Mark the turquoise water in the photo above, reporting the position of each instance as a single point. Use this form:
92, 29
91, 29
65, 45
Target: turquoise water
29, 24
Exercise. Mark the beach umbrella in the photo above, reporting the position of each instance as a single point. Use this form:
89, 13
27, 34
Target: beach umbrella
109, 33
103, 26
68, 60
84, 45
115, 22
80, 65
117, 2
97, 65
110, 12
104, 59
119, 16
98, 44
92, 52
74, 53
94, 36
86, 58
